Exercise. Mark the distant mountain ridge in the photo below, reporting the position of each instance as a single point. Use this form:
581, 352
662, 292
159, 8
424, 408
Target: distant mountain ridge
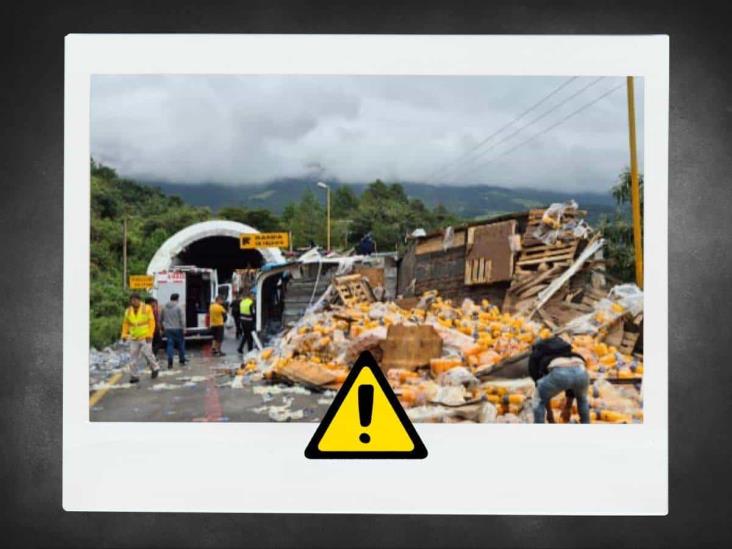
468, 201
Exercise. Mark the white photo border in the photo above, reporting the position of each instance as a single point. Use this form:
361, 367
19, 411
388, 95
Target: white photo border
257, 467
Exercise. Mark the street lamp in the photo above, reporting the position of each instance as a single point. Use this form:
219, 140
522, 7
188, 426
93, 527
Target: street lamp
327, 208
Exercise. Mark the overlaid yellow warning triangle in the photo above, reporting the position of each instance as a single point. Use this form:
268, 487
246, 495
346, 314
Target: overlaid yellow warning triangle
365, 420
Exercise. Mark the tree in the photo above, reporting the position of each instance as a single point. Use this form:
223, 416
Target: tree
259, 218
389, 215
343, 202
618, 231
152, 218
306, 220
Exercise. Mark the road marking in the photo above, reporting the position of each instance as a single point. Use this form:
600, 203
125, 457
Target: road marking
99, 394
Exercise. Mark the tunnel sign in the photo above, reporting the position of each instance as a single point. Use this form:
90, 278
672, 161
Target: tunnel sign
250, 241
365, 420
141, 282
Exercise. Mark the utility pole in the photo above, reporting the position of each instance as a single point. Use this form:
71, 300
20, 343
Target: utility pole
327, 209
635, 187
124, 253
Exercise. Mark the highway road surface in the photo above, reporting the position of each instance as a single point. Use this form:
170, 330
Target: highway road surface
205, 389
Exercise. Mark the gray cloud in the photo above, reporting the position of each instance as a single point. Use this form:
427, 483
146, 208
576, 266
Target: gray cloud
251, 129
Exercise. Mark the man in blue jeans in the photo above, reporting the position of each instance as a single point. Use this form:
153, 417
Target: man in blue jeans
556, 368
173, 319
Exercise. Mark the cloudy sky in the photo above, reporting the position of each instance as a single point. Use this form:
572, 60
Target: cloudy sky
541, 132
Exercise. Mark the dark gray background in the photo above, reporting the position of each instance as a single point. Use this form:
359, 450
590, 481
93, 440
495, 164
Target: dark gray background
700, 279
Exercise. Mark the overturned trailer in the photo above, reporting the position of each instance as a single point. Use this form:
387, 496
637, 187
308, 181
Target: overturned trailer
470, 303
473, 261
545, 262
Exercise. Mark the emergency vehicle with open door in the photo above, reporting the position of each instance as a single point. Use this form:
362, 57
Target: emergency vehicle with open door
197, 288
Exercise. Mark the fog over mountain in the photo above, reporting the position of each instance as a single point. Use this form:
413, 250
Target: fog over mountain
248, 130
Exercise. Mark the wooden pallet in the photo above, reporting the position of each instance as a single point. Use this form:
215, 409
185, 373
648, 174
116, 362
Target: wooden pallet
353, 289
478, 271
558, 253
488, 254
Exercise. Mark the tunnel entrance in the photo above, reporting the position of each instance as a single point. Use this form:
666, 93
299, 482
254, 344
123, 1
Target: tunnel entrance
221, 253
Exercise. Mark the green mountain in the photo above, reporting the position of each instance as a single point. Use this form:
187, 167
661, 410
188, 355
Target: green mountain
467, 201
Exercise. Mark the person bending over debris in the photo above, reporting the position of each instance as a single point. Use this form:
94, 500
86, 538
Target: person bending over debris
556, 368
217, 316
138, 327
173, 319
246, 313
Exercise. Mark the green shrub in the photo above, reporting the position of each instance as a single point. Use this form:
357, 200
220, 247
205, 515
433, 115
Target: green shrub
104, 331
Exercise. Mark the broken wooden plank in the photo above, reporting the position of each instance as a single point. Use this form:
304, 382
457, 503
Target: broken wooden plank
548, 259
547, 319
531, 280
557, 283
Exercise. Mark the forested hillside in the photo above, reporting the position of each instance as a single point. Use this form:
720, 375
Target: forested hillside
152, 217
385, 210
466, 201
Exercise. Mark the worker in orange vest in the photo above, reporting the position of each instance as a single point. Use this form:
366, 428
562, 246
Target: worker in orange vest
138, 327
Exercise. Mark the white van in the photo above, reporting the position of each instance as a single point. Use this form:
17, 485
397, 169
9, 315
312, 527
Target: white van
197, 289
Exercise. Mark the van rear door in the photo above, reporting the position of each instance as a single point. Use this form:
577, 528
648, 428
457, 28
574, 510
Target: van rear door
198, 290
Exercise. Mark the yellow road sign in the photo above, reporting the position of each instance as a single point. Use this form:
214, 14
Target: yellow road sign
365, 420
250, 241
141, 282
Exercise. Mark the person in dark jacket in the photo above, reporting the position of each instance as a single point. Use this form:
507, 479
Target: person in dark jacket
173, 319
556, 368
157, 342
236, 314
366, 246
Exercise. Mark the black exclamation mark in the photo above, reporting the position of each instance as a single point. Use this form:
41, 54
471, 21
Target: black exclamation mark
365, 409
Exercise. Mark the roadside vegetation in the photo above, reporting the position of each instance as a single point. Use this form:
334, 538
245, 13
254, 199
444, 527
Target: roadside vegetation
382, 209
618, 230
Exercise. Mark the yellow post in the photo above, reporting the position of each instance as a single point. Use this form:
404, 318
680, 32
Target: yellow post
635, 188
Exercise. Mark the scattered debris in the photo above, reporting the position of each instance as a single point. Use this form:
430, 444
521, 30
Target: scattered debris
451, 328
104, 385
444, 358
281, 413
280, 389
164, 386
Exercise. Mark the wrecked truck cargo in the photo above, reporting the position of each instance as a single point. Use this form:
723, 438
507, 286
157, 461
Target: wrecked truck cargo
460, 359
287, 291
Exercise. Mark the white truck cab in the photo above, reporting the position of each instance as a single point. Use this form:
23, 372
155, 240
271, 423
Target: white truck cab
196, 287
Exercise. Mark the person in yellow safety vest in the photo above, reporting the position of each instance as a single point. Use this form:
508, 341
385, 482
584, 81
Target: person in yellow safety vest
217, 318
138, 327
246, 314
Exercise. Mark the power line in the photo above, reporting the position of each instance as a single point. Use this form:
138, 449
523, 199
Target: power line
499, 130
548, 129
535, 120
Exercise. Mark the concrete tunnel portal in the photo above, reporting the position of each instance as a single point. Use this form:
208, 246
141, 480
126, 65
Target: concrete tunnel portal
214, 245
